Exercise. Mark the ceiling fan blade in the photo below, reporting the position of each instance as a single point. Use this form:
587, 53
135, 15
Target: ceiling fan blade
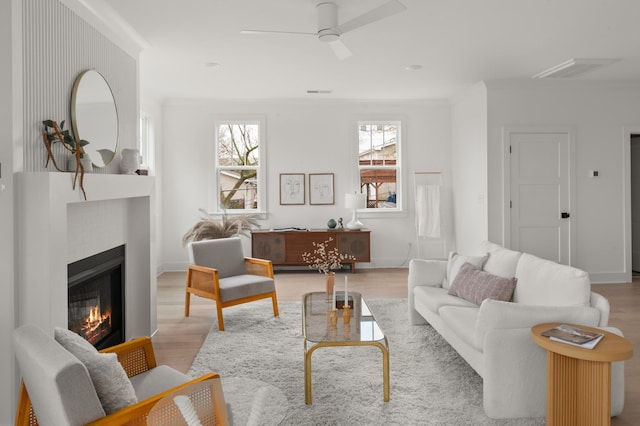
275, 32
340, 50
388, 9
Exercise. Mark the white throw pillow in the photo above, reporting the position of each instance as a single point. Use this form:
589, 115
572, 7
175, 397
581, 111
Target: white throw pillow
455, 263
113, 387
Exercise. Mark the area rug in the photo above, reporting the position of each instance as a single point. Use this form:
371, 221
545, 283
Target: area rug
430, 383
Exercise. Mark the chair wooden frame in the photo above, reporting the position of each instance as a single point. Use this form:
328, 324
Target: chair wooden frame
135, 356
204, 282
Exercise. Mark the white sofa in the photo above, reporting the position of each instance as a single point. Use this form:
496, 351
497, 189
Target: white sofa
494, 337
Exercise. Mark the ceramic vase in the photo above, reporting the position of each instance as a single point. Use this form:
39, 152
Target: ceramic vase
85, 160
330, 281
130, 161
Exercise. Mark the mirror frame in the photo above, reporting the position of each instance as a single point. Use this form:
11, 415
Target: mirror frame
111, 145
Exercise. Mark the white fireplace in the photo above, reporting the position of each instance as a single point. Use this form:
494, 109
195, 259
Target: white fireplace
57, 227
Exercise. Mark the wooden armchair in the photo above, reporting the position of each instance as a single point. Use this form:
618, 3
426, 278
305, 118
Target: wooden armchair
51, 368
219, 271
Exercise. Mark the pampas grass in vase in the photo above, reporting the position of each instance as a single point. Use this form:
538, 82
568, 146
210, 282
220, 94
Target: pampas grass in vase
209, 228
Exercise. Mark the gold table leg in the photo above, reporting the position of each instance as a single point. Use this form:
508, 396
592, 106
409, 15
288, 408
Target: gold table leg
307, 365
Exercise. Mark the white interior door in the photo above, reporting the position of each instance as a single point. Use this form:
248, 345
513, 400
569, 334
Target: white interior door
539, 189
635, 203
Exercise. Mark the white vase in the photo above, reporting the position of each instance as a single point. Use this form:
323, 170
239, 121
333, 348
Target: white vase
85, 160
130, 161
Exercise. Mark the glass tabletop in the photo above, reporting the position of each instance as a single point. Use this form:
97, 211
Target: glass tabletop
316, 326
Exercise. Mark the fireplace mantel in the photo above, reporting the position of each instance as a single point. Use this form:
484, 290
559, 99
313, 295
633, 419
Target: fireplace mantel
44, 201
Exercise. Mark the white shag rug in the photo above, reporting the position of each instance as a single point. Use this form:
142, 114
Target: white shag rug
430, 383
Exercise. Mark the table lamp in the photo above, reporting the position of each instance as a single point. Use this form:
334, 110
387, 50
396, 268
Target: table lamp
355, 202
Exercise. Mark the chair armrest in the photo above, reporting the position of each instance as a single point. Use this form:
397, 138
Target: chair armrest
260, 267
203, 281
136, 356
138, 412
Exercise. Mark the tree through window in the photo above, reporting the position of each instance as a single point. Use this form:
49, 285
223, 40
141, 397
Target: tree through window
238, 165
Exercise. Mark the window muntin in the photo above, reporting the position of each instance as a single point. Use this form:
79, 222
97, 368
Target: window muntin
379, 163
238, 166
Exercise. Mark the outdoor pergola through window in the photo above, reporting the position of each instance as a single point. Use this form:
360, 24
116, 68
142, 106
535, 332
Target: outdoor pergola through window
378, 163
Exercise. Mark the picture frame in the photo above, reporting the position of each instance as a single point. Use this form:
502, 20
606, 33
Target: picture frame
292, 189
321, 189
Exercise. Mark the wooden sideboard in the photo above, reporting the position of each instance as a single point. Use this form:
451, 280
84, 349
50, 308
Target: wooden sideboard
285, 248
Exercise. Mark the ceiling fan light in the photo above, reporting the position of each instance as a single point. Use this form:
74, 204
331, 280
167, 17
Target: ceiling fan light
328, 35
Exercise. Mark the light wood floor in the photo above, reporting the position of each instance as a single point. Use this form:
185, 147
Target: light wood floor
178, 338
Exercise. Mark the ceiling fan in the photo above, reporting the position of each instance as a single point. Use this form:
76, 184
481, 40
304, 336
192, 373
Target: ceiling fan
329, 30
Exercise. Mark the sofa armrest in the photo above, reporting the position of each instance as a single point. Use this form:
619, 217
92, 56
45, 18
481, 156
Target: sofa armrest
599, 302
495, 314
423, 273
514, 379
426, 273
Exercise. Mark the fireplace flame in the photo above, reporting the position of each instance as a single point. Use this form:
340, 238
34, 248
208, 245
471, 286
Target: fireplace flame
96, 325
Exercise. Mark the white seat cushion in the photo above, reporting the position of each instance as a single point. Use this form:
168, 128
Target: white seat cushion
157, 380
462, 321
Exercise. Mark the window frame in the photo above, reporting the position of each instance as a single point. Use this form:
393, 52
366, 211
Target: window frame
214, 180
146, 141
400, 208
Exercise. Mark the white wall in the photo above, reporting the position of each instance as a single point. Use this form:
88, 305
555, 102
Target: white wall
302, 137
598, 113
7, 259
469, 167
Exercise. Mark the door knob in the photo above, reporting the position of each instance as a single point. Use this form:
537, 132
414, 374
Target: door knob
564, 215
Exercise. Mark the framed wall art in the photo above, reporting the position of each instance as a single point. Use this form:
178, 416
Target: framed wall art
291, 188
321, 188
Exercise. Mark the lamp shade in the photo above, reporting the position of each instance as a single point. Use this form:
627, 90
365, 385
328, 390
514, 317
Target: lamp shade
355, 201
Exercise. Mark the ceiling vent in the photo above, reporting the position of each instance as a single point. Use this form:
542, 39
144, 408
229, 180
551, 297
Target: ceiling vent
319, 92
573, 67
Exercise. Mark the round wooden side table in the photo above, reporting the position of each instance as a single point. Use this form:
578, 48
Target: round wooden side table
579, 379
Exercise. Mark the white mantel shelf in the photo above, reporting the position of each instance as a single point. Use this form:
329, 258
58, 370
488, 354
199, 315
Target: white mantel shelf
43, 202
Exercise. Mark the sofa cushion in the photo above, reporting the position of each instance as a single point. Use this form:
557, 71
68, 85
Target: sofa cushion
433, 298
456, 261
495, 314
501, 261
543, 282
474, 285
112, 385
462, 321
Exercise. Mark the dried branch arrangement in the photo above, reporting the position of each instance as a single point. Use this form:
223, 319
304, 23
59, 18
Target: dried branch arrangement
55, 133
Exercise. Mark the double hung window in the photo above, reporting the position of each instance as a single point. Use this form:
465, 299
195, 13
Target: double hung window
379, 163
239, 165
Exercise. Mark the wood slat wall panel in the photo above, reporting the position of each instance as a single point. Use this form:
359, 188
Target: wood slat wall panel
57, 46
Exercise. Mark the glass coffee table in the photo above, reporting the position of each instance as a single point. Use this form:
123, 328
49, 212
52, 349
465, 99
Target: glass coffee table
318, 332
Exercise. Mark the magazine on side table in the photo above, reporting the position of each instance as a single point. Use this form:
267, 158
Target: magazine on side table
573, 336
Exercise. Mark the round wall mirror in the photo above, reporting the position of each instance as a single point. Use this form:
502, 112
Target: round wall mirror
94, 117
